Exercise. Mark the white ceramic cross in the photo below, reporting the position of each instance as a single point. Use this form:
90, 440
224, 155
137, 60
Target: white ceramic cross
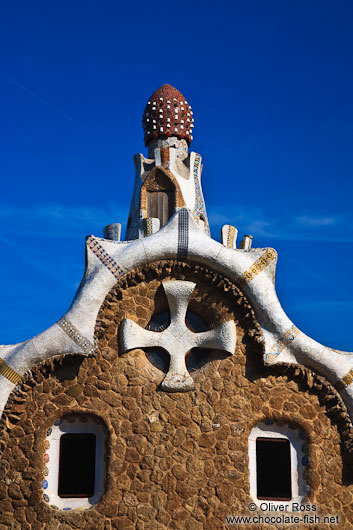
177, 339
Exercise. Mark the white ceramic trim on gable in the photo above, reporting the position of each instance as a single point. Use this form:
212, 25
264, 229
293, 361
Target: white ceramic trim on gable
297, 439
51, 460
253, 271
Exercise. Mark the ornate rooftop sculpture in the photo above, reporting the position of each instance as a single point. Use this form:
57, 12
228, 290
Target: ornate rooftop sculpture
168, 220
170, 309
167, 114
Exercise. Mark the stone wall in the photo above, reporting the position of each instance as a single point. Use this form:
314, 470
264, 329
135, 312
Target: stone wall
174, 461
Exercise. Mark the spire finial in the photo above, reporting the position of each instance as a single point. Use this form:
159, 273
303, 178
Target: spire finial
167, 114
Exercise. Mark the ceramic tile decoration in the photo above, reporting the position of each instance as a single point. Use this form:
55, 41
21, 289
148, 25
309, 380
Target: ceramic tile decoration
148, 226
346, 380
299, 460
191, 243
259, 265
104, 257
167, 119
183, 234
199, 209
248, 369
282, 343
72, 425
8, 372
229, 236
76, 336
168, 149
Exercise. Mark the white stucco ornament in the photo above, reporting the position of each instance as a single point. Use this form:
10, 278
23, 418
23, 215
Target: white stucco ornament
177, 339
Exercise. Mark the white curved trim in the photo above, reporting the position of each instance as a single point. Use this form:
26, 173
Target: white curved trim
234, 264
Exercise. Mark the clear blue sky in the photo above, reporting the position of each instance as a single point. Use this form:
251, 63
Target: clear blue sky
271, 86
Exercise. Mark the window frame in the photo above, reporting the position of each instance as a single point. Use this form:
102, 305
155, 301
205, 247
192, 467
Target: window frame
79, 423
297, 440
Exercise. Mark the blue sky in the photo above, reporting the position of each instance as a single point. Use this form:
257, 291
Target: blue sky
271, 85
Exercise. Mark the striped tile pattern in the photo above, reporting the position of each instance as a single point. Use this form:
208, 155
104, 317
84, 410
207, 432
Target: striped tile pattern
230, 237
183, 234
104, 257
76, 336
9, 373
282, 343
345, 381
258, 266
148, 226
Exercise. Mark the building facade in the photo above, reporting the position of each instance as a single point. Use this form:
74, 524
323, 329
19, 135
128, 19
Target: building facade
175, 393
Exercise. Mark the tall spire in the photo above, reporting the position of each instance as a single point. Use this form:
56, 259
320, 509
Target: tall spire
170, 178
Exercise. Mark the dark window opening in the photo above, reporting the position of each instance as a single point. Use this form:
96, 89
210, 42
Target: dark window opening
77, 465
159, 358
197, 358
194, 322
273, 469
159, 322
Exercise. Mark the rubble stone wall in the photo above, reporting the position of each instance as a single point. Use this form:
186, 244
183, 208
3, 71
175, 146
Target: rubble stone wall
174, 461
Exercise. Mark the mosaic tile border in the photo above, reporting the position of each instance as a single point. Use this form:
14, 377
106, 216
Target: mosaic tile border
199, 208
259, 265
345, 381
282, 343
104, 257
76, 336
80, 423
232, 233
148, 226
9, 373
183, 233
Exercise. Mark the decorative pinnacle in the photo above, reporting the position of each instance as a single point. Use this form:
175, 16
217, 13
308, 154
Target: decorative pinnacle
167, 113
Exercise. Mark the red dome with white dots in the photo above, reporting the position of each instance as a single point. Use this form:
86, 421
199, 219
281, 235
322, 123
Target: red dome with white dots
167, 113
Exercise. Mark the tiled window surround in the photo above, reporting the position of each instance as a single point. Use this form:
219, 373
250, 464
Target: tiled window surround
72, 424
298, 457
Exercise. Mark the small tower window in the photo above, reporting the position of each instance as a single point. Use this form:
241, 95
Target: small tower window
77, 465
158, 192
273, 469
160, 204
